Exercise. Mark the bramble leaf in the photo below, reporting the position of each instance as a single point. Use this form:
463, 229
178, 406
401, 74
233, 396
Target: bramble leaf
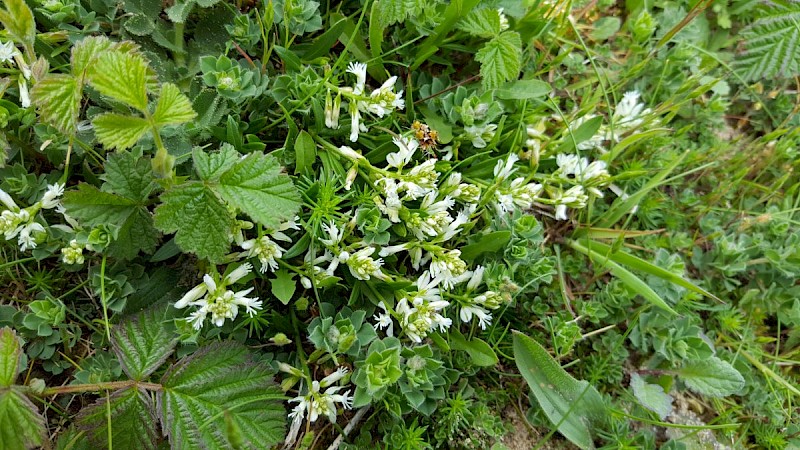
391, 12
771, 48
501, 59
122, 76
59, 101
651, 396
86, 51
203, 224
10, 353
211, 166
484, 22
117, 131
133, 422
129, 175
17, 19
217, 389
95, 207
143, 343
173, 107
21, 425
711, 376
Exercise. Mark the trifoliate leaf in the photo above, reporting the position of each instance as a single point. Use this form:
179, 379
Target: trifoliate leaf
59, 100
116, 131
283, 286
481, 22
211, 166
219, 388
203, 223
10, 353
500, 59
143, 343
256, 185
86, 51
711, 376
122, 76
17, 19
129, 175
651, 396
575, 405
133, 422
21, 425
173, 107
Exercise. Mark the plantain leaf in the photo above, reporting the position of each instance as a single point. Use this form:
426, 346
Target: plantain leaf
712, 376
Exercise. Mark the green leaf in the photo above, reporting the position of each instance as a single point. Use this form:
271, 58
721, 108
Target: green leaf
116, 131
17, 19
583, 133
484, 22
770, 42
136, 234
139, 25
21, 425
604, 28
523, 90
256, 185
173, 107
390, 12
203, 224
121, 76
133, 422
211, 166
283, 286
651, 396
218, 387
85, 53
10, 354
143, 343
95, 207
478, 350
487, 243
501, 59
305, 151
573, 406
712, 377
129, 175
59, 100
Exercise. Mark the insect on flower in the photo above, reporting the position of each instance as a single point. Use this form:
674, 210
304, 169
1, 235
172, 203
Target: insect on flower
427, 137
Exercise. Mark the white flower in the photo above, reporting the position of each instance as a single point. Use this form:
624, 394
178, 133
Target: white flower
72, 254
6, 199
360, 71
363, 266
266, 250
355, 121
384, 100
503, 170
483, 316
335, 236
392, 249
51, 197
27, 239
448, 267
561, 212
407, 147
479, 135
476, 279
7, 51
350, 153
216, 299
384, 320
24, 97
503, 19
332, 109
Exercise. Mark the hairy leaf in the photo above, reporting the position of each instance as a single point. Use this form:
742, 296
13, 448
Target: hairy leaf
143, 343
85, 53
390, 12
572, 405
17, 19
256, 186
136, 234
651, 396
21, 425
173, 107
211, 166
711, 376
117, 131
133, 421
501, 59
772, 42
203, 223
94, 207
215, 390
484, 22
58, 98
121, 76
129, 175
10, 353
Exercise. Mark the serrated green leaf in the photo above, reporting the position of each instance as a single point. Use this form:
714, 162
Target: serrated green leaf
390, 12
501, 59
59, 100
21, 425
203, 224
573, 406
256, 185
95, 207
129, 175
121, 76
143, 343
86, 51
133, 422
136, 234
651, 396
771, 42
217, 384
17, 19
116, 131
211, 166
10, 353
173, 107
484, 22
711, 376
180, 11
283, 286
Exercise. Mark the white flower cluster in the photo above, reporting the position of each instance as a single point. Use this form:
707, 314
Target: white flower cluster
518, 193
420, 312
265, 248
380, 102
21, 222
315, 402
479, 306
628, 115
10, 54
212, 296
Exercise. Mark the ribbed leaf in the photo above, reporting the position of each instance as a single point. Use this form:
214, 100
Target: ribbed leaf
143, 343
59, 101
122, 76
116, 131
129, 175
772, 42
484, 22
17, 19
10, 352
86, 51
501, 59
712, 376
133, 422
173, 107
21, 425
573, 406
217, 389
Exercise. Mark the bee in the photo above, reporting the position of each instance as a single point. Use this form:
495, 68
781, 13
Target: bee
428, 139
